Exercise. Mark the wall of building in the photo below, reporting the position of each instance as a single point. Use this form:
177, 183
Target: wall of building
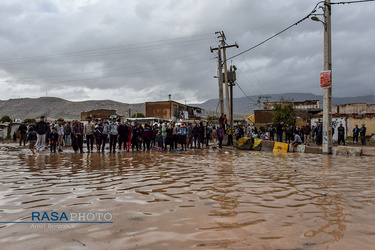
263, 116
171, 110
335, 124
98, 113
369, 122
308, 104
7, 129
161, 110
3, 131
354, 108
301, 122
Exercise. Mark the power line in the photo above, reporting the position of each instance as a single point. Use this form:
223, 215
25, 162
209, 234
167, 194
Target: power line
109, 70
250, 82
139, 72
349, 2
109, 50
252, 101
287, 28
254, 74
296, 23
102, 53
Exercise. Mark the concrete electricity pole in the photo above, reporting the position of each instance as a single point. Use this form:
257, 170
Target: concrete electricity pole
220, 77
327, 96
326, 77
221, 91
260, 102
229, 115
233, 69
223, 47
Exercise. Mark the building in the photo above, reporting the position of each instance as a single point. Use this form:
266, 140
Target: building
305, 105
354, 109
8, 128
5, 131
349, 115
171, 110
98, 114
303, 112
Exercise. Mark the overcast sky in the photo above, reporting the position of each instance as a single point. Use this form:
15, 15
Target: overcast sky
142, 50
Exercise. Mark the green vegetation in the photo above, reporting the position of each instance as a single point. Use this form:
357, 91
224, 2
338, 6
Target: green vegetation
60, 119
5, 118
138, 115
211, 118
30, 121
283, 111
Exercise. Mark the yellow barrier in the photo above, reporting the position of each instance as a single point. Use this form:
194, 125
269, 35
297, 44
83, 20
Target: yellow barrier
256, 142
242, 141
280, 147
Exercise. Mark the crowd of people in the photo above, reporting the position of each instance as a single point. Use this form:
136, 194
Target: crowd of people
306, 134
121, 135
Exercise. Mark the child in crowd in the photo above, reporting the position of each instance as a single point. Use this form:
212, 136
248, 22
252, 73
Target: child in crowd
159, 141
31, 138
53, 139
214, 137
98, 136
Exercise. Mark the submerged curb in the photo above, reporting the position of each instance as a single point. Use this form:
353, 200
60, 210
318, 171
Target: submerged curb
279, 147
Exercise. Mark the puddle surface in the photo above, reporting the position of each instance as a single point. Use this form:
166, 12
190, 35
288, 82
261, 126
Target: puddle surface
201, 199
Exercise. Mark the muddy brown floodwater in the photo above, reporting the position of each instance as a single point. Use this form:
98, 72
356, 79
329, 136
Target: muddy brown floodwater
196, 199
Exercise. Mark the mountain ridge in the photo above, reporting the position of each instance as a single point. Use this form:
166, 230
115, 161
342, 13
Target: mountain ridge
55, 107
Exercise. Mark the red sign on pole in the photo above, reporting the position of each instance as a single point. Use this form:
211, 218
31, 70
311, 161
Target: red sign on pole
325, 79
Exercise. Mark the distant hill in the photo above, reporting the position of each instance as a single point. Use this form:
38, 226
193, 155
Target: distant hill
54, 108
248, 105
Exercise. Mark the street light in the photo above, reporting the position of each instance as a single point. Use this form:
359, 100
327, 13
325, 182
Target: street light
327, 95
316, 19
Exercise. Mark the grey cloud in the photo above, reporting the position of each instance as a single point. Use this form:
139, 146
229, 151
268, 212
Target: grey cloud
119, 50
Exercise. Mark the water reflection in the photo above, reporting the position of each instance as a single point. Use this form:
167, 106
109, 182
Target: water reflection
206, 199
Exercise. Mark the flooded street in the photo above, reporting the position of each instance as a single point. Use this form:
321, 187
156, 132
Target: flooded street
197, 199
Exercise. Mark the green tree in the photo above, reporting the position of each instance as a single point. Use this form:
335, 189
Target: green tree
211, 118
5, 118
60, 119
30, 121
283, 111
138, 115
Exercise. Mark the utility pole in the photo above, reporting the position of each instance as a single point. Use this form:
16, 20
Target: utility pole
231, 84
229, 114
327, 95
220, 76
129, 113
260, 102
221, 92
221, 98
267, 98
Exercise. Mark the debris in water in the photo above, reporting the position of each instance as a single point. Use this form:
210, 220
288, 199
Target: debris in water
309, 243
137, 218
